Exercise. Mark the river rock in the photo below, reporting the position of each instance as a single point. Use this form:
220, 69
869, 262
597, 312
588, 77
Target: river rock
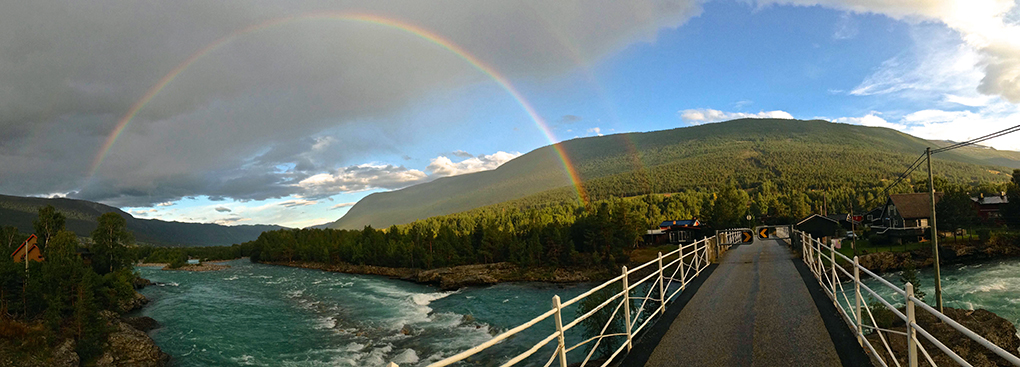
64, 355
142, 323
985, 323
129, 347
137, 301
140, 283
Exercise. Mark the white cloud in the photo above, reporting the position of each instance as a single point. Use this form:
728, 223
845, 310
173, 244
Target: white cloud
595, 130
359, 178
165, 203
297, 202
984, 25
706, 115
871, 119
442, 166
343, 205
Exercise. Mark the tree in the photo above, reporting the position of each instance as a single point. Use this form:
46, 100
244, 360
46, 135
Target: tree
910, 276
956, 210
9, 238
47, 224
1011, 211
729, 207
109, 243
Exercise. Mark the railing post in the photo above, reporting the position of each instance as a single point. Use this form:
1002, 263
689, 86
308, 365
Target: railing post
832, 261
683, 272
911, 334
562, 350
662, 292
626, 306
857, 296
811, 253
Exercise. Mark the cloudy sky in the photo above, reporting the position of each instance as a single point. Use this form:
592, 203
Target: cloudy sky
288, 112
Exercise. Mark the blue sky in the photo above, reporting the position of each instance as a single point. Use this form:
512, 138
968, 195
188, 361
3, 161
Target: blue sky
934, 69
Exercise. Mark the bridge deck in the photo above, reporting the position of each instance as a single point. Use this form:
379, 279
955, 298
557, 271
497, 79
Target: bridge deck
754, 310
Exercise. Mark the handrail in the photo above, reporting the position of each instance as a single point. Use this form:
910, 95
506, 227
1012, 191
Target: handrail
813, 252
690, 260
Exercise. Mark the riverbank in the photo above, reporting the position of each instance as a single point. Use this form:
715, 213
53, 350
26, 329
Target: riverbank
963, 252
198, 267
31, 344
456, 277
992, 327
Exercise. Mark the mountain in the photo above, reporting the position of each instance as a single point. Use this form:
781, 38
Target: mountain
793, 153
82, 215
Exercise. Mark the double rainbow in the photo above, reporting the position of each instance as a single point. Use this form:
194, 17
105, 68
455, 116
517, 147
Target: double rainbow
351, 17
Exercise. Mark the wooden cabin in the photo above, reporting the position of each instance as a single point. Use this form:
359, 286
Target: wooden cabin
28, 249
906, 215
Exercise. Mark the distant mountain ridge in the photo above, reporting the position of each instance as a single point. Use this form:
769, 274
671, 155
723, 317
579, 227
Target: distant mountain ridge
793, 151
82, 215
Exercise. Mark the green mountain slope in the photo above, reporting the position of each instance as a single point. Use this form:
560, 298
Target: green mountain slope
82, 215
792, 153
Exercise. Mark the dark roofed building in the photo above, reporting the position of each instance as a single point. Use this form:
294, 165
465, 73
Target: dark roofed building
989, 207
906, 214
819, 226
683, 231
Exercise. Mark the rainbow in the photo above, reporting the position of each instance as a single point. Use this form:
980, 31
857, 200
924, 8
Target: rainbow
353, 17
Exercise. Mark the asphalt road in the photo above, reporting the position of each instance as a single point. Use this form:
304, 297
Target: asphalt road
754, 310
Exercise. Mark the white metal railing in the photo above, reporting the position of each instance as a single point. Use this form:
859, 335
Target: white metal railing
676, 268
822, 259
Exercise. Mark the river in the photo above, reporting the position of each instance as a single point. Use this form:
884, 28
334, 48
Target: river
264, 315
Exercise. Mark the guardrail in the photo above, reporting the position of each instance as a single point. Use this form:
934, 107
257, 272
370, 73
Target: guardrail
822, 260
673, 271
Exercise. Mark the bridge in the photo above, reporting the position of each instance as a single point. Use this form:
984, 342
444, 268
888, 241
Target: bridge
782, 299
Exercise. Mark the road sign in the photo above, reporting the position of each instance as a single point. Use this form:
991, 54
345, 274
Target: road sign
747, 236
764, 232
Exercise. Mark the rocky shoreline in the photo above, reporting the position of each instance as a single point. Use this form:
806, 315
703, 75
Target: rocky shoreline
126, 345
452, 278
951, 253
201, 267
985, 323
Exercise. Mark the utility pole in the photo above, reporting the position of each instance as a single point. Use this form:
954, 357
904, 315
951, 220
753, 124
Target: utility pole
934, 234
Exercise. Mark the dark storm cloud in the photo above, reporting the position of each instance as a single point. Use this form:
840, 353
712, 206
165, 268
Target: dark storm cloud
254, 116
222, 209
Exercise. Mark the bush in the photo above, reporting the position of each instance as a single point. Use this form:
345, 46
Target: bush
884, 317
984, 234
593, 325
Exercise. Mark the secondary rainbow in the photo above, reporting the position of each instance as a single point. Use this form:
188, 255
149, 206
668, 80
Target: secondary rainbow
353, 17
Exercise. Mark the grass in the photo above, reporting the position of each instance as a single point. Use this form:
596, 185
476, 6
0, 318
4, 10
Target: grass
865, 246
645, 254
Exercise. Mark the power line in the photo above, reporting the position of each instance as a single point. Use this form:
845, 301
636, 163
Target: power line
913, 166
977, 140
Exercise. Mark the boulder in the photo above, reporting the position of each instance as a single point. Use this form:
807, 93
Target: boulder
129, 347
135, 302
140, 283
990, 326
142, 323
65, 356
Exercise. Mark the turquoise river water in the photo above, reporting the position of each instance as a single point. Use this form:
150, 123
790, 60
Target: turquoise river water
263, 315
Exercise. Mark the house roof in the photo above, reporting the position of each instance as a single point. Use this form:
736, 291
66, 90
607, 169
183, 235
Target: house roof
31, 242
819, 216
991, 200
839, 217
681, 223
911, 206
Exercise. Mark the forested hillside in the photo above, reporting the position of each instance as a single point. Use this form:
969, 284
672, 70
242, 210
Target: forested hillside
845, 161
82, 217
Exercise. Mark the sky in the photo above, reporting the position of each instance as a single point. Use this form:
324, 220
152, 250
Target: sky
289, 112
